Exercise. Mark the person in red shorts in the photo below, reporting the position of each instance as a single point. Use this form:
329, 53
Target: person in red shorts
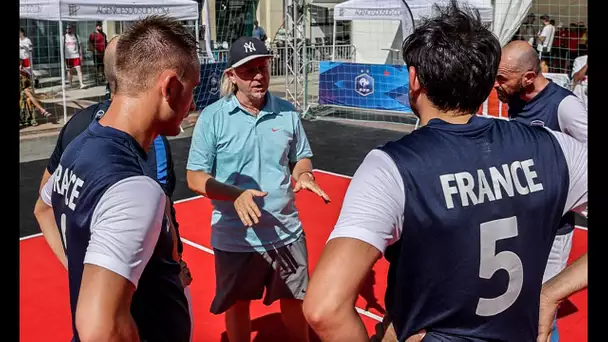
72, 51
25, 49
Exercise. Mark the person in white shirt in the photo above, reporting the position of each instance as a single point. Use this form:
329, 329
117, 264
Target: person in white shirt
545, 37
25, 50
72, 52
580, 79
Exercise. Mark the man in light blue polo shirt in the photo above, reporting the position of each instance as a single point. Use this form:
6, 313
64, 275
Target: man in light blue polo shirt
245, 149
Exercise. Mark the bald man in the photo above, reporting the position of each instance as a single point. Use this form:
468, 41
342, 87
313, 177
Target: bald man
536, 100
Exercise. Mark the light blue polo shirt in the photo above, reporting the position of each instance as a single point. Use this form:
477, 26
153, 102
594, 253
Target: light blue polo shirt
251, 152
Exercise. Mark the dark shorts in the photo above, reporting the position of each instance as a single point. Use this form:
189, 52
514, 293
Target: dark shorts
243, 276
98, 58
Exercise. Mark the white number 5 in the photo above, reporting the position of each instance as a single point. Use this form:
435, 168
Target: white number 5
490, 263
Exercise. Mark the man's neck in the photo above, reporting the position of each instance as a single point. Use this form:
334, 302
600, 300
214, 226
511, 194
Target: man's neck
453, 117
132, 116
253, 106
540, 83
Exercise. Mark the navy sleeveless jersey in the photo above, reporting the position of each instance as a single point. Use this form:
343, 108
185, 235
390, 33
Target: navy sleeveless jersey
159, 152
481, 201
542, 111
97, 159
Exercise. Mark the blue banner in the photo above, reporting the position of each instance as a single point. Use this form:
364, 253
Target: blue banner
208, 90
370, 86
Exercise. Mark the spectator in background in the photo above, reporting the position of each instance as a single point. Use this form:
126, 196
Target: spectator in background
562, 47
258, 31
545, 37
25, 50
72, 54
526, 30
574, 36
28, 102
97, 45
579, 78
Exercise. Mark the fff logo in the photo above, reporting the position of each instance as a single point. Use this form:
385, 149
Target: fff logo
364, 83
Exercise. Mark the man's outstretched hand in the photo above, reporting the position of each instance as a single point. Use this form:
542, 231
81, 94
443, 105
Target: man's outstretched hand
305, 181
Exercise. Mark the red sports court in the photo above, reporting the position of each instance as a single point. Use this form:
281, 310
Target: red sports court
45, 314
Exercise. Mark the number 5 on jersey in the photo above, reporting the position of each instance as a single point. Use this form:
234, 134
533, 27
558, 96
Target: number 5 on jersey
490, 262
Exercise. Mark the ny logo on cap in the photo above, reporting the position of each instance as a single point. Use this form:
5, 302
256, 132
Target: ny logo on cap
249, 47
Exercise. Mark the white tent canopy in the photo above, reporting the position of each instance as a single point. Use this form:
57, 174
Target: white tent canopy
398, 9
114, 10
408, 12
373, 10
424, 8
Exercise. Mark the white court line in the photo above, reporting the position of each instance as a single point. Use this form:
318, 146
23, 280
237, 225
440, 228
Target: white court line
197, 246
188, 199
332, 173
369, 314
30, 236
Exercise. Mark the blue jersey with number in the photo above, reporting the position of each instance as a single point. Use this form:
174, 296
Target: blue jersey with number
483, 202
94, 161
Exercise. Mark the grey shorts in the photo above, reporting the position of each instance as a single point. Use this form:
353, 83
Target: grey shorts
283, 273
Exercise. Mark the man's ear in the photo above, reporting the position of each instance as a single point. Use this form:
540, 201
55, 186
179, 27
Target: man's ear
414, 82
528, 78
170, 85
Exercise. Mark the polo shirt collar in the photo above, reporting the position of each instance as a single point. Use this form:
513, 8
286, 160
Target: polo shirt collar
270, 106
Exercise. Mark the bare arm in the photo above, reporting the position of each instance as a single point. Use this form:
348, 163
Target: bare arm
46, 220
580, 75
568, 282
244, 204
300, 163
45, 177
301, 166
201, 158
104, 306
371, 219
302, 174
125, 228
330, 309
204, 184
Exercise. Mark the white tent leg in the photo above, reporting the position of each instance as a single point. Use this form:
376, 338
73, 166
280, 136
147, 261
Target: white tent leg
196, 32
333, 49
62, 64
206, 20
